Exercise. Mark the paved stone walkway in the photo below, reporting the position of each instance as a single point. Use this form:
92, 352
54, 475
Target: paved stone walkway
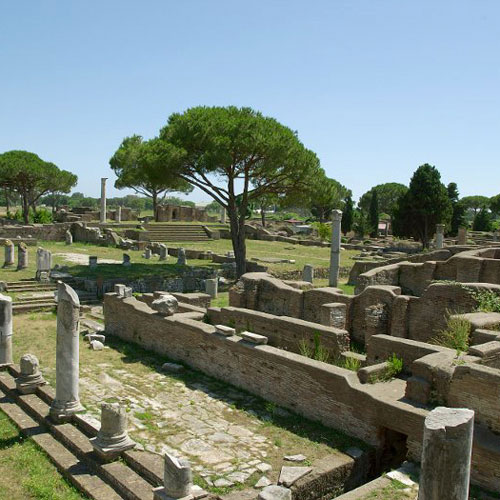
166, 414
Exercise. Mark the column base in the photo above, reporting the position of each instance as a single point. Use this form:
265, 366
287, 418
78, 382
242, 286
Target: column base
108, 450
26, 386
60, 413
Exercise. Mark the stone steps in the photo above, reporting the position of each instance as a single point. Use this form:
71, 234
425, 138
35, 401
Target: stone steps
32, 307
68, 465
176, 232
70, 449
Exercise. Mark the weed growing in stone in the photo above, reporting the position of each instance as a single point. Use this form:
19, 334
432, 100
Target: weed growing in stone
455, 335
487, 300
317, 351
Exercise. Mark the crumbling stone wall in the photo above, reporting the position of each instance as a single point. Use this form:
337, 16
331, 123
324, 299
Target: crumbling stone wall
472, 266
48, 232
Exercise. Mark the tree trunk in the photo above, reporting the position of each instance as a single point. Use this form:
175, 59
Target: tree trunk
7, 201
237, 225
154, 196
25, 209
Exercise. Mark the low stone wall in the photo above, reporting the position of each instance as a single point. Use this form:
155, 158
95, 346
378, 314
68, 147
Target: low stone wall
377, 310
285, 333
47, 232
471, 266
321, 392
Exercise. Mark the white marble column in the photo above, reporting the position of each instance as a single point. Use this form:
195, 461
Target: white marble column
67, 401
335, 248
103, 200
5, 330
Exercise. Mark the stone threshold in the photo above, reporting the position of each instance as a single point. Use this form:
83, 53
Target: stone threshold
133, 476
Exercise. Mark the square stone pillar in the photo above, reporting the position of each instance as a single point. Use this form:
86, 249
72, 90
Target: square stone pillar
335, 248
439, 236
103, 200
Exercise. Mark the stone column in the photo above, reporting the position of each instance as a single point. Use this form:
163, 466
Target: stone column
112, 438
67, 401
495, 235
9, 254
5, 330
163, 252
439, 236
222, 215
211, 287
147, 253
462, 236
335, 248
118, 214
68, 237
43, 263
92, 261
446, 454
181, 257
22, 256
308, 273
126, 260
177, 479
30, 376
103, 200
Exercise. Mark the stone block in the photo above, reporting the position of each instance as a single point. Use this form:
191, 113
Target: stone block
253, 338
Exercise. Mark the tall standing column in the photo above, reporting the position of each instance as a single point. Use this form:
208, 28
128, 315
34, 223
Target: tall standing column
335, 248
439, 236
446, 454
5, 330
222, 215
9, 253
118, 216
103, 200
67, 401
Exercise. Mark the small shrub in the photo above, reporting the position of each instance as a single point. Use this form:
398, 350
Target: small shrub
42, 216
324, 230
487, 300
317, 352
395, 366
455, 335
352, 364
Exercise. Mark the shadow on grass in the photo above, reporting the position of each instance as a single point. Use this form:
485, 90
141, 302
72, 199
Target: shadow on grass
268, 413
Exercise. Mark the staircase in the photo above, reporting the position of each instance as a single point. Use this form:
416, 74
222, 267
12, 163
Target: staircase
32, 296
176, 232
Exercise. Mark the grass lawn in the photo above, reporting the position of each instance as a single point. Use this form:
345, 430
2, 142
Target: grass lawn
25, 471
317, 256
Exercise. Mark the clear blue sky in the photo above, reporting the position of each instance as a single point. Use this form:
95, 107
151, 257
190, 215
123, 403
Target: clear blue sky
374, 87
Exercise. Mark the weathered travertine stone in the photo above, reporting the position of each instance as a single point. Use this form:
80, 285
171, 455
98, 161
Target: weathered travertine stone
5, 330
163, 252
118, 214
96, 345
446, 454
68, 237
334, 314
92, 261
127, 292
275, 493
227, 331
290, 475
222, 215
335, 248
67, 401
30, 376
9, 253
181, 257
308, 273
254, 338
462, 236
126, 259
177, 480
147, 253
22, 256
496, 234
112, 438
439, 236
102, 215
166, 305
211, 287
119, 290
